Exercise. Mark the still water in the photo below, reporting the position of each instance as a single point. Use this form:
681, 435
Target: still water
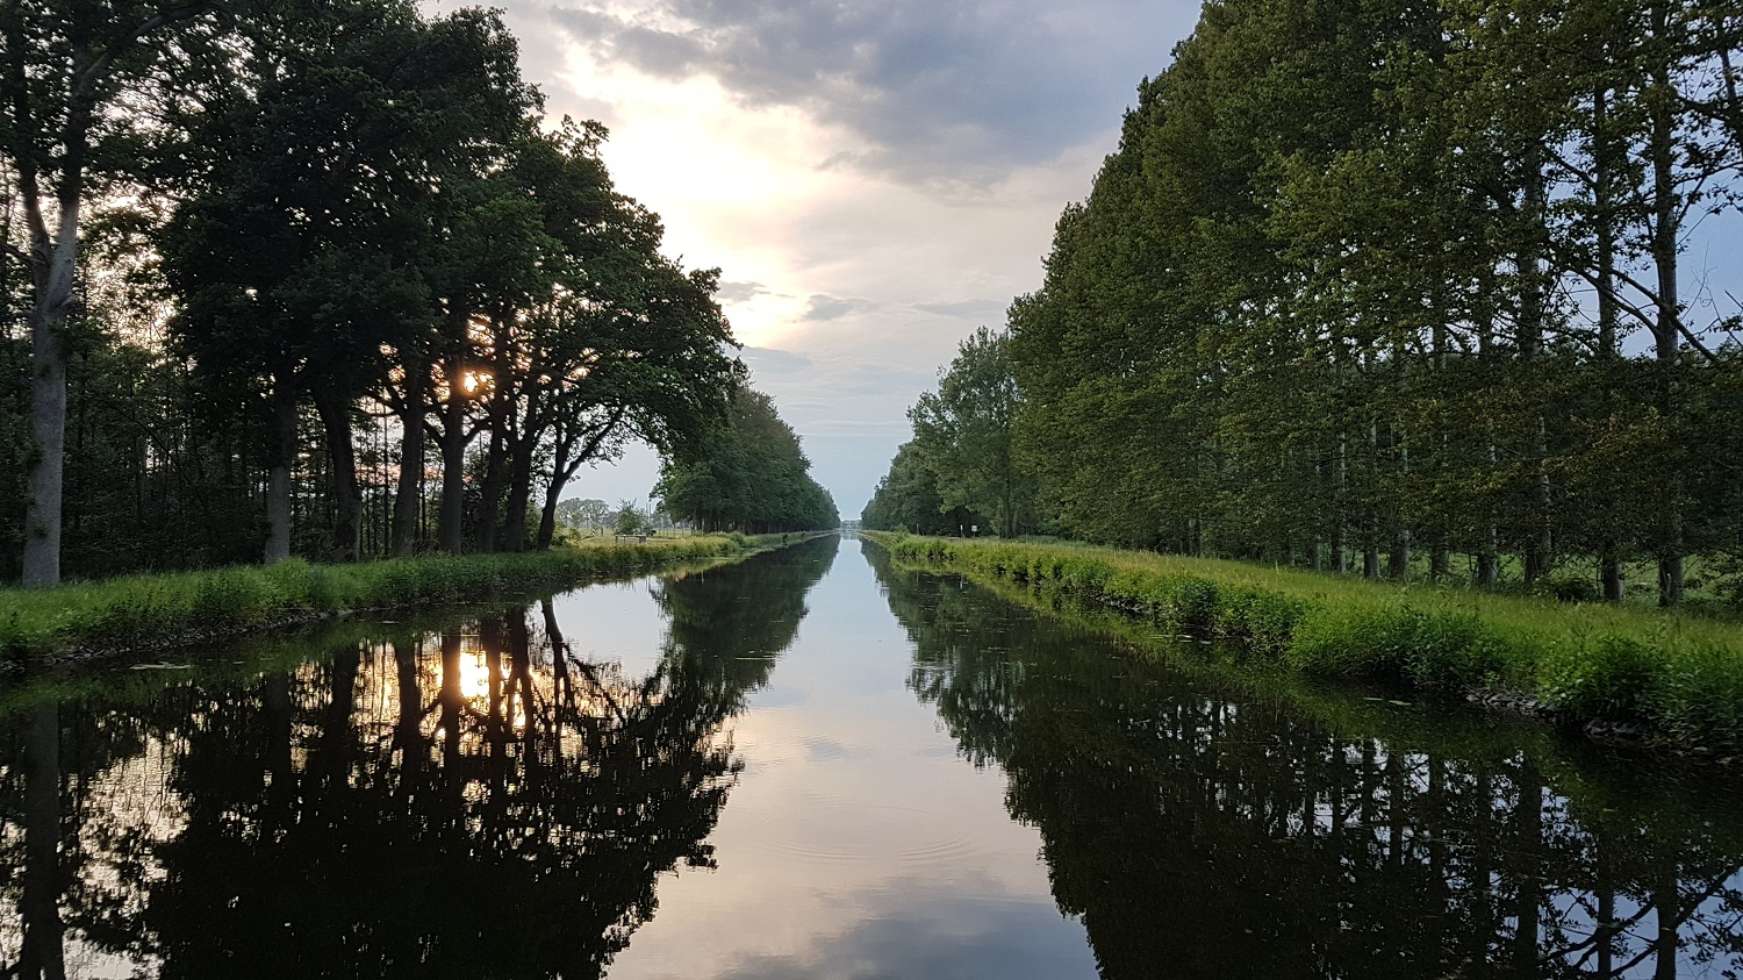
810, 764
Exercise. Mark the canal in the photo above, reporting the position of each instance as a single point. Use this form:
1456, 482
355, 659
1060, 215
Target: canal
812, 764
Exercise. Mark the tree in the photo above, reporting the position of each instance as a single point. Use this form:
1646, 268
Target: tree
68, 68
1358, 281
907, 499
965, 433
748, 474
628, 519
292, 247
583, 513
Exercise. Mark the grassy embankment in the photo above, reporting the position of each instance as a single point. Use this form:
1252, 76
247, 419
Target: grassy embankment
1661, 675
142, 612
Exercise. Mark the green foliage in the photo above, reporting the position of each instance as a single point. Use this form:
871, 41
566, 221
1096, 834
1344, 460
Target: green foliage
960, 471
1681, 677
629, 520
749, 474
358, 227
908, 499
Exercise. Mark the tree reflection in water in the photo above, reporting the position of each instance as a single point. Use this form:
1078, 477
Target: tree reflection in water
1210, 829
473, 801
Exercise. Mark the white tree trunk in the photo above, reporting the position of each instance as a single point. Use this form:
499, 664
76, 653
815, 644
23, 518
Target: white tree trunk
48, 401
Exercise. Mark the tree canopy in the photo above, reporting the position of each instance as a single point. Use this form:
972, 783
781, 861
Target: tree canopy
343, 289
748, 474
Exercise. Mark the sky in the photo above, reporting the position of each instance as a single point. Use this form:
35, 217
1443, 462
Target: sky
873, 178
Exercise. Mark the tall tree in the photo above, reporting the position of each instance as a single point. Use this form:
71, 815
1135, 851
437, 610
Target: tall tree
965, 433
68, 68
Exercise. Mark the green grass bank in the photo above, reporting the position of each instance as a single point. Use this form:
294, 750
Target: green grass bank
144, 612
1612, 669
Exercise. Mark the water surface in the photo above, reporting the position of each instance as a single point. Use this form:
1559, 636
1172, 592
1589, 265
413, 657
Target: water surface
812, 764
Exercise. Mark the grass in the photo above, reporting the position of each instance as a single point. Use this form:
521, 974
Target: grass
1676, 678
141, 612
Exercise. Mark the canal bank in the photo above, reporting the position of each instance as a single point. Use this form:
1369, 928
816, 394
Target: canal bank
138, 613
1631, 675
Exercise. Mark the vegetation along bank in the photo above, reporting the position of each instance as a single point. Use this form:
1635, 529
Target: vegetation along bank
1610, 669
143, 612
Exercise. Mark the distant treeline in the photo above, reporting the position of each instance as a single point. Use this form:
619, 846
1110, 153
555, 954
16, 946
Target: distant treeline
751, 475
323, 280
1376, 285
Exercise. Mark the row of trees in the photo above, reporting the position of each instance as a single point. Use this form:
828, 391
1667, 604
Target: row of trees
319, 277
1364, 281
750, 475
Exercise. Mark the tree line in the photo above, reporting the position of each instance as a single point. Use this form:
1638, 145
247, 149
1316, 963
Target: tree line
1375, 286
751, 475
318, 280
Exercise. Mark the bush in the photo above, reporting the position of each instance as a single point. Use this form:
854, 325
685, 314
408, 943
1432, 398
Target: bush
1567, 588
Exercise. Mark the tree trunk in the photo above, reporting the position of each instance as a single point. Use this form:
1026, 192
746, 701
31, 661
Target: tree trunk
1371, 544
453, 512
408, 495
1532, 302
1545, 539
554, 494
490, 495
520, 492
1398, 562
278, 480
548, 516
41, 953
1665, 331
52, 270
1609, 564
1340, 482
335, 412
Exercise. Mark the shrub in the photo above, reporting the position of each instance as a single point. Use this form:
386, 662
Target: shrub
1567, 588
1609, 677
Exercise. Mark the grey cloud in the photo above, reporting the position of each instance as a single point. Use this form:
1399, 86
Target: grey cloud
741, 292
772, 361
825, 307
905, 935
953, 92
983, 310
654, 51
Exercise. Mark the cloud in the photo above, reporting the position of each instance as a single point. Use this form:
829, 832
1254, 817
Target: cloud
664, 53
742, 292
824, 307
936, 92
979, 310
907, 932
769, 362
876, 178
